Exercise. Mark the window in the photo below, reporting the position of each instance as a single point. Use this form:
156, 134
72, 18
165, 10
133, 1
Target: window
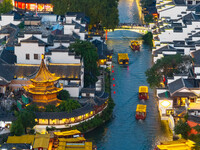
36, 56
189, 2
27, 56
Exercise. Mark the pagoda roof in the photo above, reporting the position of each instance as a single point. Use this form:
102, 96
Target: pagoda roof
44, 75
42, 90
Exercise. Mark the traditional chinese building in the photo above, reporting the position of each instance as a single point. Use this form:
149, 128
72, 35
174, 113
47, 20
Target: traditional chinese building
34, 5
42, 88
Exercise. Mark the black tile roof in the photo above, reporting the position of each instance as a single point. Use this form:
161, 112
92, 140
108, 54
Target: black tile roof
62, 71
194, 118
60, 48
196, 35
60, 38
87, 90
196, 56
79, 15
182, 83
179, 43
34, 39
164, 95
12, 30
184, 94
61, 115
17, 16
78, 26
8, 56
163, 49
179, 2
102, 49
178, 29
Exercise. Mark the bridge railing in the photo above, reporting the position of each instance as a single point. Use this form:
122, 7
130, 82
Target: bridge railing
121, 25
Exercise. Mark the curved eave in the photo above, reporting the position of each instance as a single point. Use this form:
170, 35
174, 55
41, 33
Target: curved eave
43, 81
44, 93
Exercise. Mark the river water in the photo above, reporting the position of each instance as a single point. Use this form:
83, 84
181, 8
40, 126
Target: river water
123, 131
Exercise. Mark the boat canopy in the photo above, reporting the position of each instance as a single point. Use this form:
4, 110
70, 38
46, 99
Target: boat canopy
141, 108
135, 42
180, 144
67, 133
123, 56
143, 89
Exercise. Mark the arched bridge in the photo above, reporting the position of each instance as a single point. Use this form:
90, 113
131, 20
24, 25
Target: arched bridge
139, 28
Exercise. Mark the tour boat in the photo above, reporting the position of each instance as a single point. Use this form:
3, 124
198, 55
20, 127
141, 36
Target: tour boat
141, 112
123, 58
143, 93
135, 46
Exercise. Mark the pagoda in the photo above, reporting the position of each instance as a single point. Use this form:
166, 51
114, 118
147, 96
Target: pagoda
42, 88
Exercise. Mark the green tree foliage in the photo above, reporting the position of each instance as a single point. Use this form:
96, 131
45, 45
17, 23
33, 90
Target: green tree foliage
99, 11
6, 6
17, 128
69, 105
32, 107
167, 66
50, 108
26, 118
148, 37
63, 95
146, 3
89, 54
182, 128
148, 18
197, 128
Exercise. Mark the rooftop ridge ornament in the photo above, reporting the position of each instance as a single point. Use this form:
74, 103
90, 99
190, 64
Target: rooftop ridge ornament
44, 75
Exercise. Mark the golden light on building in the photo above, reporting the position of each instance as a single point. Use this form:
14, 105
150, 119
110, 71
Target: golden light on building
42, 87
165, 103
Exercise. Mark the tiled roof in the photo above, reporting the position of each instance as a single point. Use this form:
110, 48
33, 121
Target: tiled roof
62, 115
66, 72
182, 83
196, 56
34, 39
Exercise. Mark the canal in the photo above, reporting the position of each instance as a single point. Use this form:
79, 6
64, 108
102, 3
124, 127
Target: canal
123, 132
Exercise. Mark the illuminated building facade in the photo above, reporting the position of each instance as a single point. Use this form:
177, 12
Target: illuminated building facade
34, 5
42, 89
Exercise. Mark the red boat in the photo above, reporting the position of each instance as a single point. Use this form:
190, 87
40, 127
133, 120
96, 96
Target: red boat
143, 93
135, 45
141, 112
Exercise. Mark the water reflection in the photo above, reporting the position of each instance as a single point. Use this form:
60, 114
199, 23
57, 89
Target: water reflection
123, 132
128, 11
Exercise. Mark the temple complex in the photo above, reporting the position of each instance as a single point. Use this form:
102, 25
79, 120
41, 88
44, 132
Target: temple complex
42, 88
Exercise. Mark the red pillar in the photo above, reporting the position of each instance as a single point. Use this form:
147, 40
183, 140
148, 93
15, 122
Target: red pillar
106, 34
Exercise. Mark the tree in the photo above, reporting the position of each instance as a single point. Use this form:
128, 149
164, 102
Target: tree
50, 108
69, 105
32, 107
148, 39
27, 118
103, 12
148, 18
197, 128
90, 57
17, 128
63, 95
167, 66
6, 6
182, 128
